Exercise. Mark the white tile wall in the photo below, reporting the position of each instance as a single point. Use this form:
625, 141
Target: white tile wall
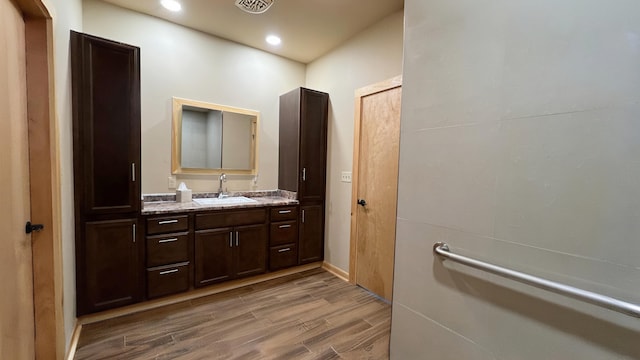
455, 177
520, 145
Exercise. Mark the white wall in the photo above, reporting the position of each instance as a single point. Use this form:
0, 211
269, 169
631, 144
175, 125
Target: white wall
177, 61
370, 57
519, 146
67, 15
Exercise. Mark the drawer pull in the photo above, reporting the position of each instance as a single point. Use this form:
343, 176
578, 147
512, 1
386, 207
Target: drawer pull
165, 222
284, 212
284, 250
284, 226
167, 240
168, 272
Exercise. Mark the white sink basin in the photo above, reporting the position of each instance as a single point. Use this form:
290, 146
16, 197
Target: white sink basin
225, 201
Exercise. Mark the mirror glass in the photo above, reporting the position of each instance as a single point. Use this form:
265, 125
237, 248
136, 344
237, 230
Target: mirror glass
211, 139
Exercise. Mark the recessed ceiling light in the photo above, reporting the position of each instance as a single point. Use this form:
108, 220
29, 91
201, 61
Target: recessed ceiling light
171, 5
273, 40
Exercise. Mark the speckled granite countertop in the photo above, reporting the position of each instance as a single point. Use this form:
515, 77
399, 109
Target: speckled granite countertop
166, 204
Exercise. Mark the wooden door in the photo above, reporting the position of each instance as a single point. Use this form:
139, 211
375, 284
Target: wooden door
16, 303
250, 250
213, 256
375, 186
26, 35
311, 239
112, 268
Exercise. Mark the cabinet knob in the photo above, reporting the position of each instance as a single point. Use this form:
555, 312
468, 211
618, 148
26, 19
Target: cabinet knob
362, 202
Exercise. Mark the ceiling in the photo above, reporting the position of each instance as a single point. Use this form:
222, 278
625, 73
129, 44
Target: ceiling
308, 28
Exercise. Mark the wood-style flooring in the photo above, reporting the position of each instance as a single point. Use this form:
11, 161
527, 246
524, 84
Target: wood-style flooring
311, 315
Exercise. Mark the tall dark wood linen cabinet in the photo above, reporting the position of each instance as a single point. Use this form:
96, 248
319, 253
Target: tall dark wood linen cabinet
106, 160
303, 164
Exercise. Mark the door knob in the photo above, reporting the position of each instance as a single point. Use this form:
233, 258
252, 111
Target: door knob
362, 202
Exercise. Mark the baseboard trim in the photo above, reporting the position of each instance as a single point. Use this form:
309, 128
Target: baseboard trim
75, 337
336, 271
194, 294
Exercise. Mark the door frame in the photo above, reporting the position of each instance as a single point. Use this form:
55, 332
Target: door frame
359, 94
44, 173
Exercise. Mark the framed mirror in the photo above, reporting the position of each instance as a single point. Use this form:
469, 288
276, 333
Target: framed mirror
211, 139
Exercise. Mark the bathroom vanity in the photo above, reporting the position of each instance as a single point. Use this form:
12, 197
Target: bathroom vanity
189, 245
128, 251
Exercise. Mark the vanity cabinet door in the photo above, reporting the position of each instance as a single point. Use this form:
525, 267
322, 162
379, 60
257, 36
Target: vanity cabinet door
213, 256
106, 124
313, 145
110, 266
311, 243
303, 143
250, 250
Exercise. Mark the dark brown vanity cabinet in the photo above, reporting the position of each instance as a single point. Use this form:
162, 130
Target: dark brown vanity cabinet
106, 156
167, 255
283, 237
106, 125
230, 244
312, 231
303, 162
110, 265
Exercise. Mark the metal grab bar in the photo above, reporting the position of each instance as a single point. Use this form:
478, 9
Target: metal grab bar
610, 303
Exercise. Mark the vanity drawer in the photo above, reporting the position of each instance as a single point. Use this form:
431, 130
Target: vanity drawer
167, 280
283, 256
167, 249
230, 218
167, 224
284, 233
284, 213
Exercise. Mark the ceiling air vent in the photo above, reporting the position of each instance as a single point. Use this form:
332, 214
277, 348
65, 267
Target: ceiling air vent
254, 6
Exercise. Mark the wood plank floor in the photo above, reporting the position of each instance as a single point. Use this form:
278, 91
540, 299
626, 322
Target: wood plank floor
311, 315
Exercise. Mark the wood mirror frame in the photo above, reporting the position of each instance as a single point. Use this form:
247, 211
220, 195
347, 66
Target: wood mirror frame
177, 167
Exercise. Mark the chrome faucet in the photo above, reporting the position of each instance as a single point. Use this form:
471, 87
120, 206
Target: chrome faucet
221, 192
